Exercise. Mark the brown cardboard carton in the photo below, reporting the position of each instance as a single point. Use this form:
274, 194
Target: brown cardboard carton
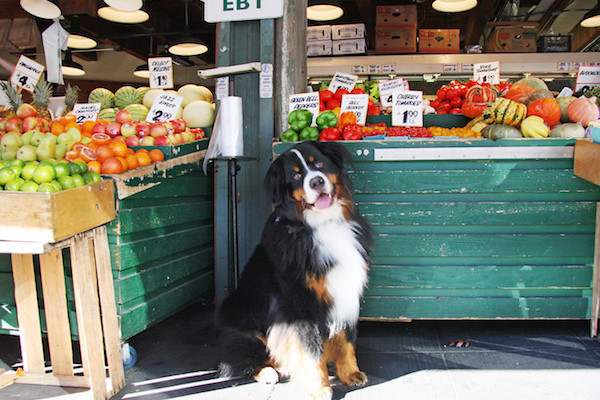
396, 40
512, 40
439, 40
397, 16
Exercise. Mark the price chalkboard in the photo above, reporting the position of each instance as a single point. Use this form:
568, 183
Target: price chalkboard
407, 108
164, 107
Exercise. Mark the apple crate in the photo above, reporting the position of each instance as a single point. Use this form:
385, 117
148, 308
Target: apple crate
179, 149
51, 217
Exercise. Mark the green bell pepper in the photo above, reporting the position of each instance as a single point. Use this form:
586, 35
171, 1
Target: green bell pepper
327, 119
299, 119
289, 136
309, 133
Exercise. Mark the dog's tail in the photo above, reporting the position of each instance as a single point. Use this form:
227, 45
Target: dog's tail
241, 354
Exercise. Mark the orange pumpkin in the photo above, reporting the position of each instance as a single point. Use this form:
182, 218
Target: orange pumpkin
481, 94
546, 108
519, 93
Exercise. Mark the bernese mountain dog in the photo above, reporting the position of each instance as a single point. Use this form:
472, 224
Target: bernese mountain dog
297, 304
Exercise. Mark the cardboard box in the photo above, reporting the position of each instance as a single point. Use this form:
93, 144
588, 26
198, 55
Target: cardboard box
554, 44
319, 48
397, 16
350, 46
439, 40
318, 33
396, 40
348, 31
512, 40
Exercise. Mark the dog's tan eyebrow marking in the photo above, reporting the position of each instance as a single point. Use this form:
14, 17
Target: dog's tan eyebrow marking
296, 169
311, 159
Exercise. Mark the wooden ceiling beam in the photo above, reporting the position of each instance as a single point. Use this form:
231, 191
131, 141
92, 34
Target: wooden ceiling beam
582, 37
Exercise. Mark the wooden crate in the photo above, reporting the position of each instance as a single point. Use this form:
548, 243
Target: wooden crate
50, 217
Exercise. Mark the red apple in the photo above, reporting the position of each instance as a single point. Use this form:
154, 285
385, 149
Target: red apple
187, 136
13, 124
2, 124
128, 129
160, 141
158, 129
123, 116
44, 124
132, 141
100, 127
170, 128
178, 125
113, 129
198, 133
142, 129
171, 139
147, 141
26, 110
30, 123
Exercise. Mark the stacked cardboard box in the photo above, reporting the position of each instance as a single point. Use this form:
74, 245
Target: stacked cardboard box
439, 40
512, 40
349, 39
318, 40
396, 29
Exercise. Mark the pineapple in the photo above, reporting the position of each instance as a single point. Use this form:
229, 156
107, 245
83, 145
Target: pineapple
14, 98
41, 97
71, 96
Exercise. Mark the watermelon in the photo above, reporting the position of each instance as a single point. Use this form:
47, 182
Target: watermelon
142, 90
105, 97
125, 96
108, 114
138, 111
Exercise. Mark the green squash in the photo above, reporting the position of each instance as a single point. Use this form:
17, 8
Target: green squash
535, 83
564, 102
500, 131
568, 131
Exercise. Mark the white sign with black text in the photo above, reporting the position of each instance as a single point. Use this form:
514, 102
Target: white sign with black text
386, 90
487, 72
161, 72
306, 101
357, 104
27, 73
341, 80
241, 10
588, 76
164, 108
407, 108
86, 112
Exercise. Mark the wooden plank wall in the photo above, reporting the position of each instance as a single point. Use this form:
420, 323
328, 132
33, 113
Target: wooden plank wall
475, 239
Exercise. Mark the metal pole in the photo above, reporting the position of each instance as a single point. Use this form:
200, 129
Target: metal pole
233, 168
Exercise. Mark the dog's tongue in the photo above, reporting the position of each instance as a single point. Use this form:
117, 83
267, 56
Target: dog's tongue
323, 201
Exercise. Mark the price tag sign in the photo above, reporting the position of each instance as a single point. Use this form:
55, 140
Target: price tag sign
86, 112
341, 80
388, 68
222, 87
306, 101
27, 73
357, 104
386, 90
164, 107
359, 69
487, 72
588, 76
406, 108
266, 81
161, 72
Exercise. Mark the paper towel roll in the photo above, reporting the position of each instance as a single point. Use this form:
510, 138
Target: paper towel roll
231, 135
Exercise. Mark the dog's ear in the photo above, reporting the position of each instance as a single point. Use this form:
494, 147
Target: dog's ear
274, 183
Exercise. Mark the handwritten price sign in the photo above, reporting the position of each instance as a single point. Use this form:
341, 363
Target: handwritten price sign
357, 104
86, 112
164, 107
161, 72
406, 108
487, 72
341, 80
386, 90
27, 73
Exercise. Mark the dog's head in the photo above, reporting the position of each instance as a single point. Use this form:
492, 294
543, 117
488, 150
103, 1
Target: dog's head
310, 177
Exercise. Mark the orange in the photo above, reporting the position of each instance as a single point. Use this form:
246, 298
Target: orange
119, 148
77, 146
132, 162
87, 154
95, 166
142, 151
123, 162
88, 126
112, 166
156, 155
68, 118
57, 128
119, 139
130, 151
93, 145
101, 138
143, 158
103, 152
71, 155
70, 125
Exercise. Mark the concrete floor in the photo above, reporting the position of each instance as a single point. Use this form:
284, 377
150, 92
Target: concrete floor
504, 360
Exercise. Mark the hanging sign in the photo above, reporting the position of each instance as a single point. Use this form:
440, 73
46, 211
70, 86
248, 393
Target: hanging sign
164, 107
266, 81
357, 104
588, 76
306, 101
222, 87
487, 72
406, 108
161, 72
341, 80
241, 10
27, 73
86, 112
386, 90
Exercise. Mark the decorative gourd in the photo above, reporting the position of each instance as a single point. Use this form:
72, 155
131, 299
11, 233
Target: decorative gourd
546, 108
564, 102
534, 127
504, 111
519, 93
473, 110
568, 131
535, 83
481, 94
538, 94
500, 131
583, 110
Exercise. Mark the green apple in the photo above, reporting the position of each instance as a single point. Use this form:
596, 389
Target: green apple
29, 186
14, 185
44, 173
94, 177
17, 169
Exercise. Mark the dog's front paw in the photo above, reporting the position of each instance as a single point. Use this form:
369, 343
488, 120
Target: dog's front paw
322, 393
267, 375
356, 378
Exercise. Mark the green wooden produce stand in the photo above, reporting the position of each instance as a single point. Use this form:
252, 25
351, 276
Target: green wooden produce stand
475, 229
161, 245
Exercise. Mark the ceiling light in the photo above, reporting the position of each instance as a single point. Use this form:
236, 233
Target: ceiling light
451, 6
125, 5
79, 39
124, 17
591, 19
41, 8
187, 45
70, 67
324, 10
142, 71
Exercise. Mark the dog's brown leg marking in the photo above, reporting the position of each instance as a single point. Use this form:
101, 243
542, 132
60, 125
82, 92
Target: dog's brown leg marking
340, 351
317, 285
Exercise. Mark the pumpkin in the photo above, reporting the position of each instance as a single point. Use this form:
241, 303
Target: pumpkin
519, 93
473, 110
564, 102
568, 131
546, 108
539, 94
535, 83
499, 131
583, 110
481, 94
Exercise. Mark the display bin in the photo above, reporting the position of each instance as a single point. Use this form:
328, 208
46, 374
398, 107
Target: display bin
475, 229
161, 245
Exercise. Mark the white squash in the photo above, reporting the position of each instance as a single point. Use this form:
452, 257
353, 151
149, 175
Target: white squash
568, 131
198, 114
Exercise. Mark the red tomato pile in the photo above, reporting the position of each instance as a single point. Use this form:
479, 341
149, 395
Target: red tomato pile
451, 97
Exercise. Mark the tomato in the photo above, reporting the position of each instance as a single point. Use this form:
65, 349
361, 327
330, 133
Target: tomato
357, 91
455, 110
325, 95
452, 92
435, 103
463, 90
441, 93
444, 107
456, 101
371, 102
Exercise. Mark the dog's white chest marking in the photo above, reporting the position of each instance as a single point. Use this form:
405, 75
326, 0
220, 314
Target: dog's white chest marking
347, 277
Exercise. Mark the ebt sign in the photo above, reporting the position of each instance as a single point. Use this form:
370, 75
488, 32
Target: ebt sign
241, 10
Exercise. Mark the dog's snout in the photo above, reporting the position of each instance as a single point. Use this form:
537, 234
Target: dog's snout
317, 182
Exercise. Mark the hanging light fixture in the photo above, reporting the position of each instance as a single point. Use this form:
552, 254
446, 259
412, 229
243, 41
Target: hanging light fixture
79, 39
125, 5
124, 17
591, 19
41, 8
187, 44
70, 67
452, 6
324, 10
